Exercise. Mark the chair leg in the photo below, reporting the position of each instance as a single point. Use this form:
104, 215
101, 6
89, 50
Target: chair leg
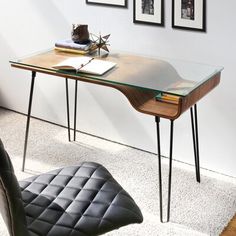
68, 109
194, 123
75, 108
157, 119
28, 118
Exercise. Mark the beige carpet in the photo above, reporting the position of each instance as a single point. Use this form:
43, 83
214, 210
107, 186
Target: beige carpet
196, 209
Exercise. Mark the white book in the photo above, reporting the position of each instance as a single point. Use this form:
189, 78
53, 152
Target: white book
85, 64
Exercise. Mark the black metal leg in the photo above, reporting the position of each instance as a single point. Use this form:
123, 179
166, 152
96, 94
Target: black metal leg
194, 123
197, 142
157, 119
75, 109
170, 168
28, 117
68, 110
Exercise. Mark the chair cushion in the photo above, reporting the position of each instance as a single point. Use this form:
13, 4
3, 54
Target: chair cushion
77, 201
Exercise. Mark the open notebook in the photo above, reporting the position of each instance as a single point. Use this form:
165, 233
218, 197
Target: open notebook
86, 65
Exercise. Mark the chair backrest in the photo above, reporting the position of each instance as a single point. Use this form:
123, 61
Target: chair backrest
11, 205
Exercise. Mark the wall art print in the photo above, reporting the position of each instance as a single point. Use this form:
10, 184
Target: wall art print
189, 14
149, 12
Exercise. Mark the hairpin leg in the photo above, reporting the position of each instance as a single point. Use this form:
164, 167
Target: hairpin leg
170, 168
194, 123
28, 118
75, 108
68, 109
157, 119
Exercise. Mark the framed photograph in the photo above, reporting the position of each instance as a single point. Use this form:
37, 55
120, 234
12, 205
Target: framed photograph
116, 3
149, 12
189, 14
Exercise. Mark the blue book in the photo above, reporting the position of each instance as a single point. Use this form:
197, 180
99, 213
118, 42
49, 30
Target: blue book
68, 43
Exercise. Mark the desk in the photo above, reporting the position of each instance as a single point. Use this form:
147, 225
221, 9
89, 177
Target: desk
141, 80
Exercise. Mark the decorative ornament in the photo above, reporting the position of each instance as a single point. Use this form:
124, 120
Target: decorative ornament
100, 42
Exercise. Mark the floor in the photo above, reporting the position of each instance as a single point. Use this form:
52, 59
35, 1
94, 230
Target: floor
196, 209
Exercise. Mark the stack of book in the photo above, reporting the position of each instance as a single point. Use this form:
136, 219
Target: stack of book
67, 45
169, 98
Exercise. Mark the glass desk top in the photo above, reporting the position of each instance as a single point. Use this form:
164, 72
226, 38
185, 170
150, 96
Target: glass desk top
175, 77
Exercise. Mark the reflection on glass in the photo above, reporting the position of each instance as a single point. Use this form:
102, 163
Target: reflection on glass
163, 75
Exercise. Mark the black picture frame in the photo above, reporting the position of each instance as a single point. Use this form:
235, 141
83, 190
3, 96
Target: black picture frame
117, 3
152, 14
189, 15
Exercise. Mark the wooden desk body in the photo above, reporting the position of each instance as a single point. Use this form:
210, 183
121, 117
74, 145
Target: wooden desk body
143, 100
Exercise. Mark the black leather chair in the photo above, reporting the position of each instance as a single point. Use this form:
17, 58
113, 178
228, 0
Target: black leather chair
73, 201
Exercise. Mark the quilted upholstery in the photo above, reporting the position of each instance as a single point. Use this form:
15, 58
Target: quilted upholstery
72, 201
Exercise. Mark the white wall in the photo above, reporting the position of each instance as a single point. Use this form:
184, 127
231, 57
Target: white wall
27, 26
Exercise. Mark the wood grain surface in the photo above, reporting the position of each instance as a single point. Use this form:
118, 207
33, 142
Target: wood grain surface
230, 229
